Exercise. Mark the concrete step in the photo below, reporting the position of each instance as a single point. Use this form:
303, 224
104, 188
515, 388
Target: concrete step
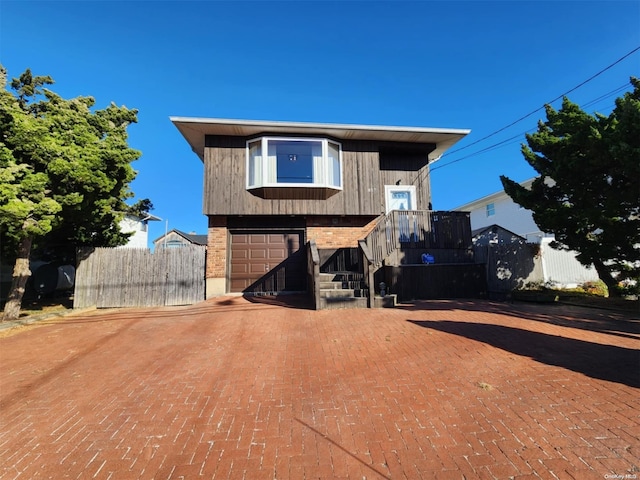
388, 301
327, 277
339, 303
340, 290
330, 285
343, 292
341, 276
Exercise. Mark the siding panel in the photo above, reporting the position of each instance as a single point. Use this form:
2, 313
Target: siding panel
363, 182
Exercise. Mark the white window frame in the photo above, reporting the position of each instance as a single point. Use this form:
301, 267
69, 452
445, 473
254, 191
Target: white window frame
263, 170
490, 209
389, 189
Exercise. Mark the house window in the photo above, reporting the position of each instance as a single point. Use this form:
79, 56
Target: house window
491, 209
400, 197
293, 162
174, 244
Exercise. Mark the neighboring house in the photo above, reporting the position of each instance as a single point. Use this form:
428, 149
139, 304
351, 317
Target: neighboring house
176, 238
271, 187
139, 227
499, 211
495, 235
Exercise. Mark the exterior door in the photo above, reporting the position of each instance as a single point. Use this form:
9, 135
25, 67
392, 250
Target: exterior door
400, 197
267, 262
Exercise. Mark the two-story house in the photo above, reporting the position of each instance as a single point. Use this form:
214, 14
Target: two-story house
138, 227
270, 187
499, 209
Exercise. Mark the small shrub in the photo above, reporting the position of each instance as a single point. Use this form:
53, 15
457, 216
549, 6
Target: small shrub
629, 288
595, 288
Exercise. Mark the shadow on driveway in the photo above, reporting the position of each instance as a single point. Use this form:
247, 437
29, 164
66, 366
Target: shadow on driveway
605, 362
621, 324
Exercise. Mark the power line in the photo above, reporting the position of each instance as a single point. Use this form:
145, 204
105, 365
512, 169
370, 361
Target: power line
606, 95
510, 140
542, 107
484, 150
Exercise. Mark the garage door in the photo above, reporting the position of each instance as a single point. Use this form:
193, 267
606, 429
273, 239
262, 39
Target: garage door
267, 262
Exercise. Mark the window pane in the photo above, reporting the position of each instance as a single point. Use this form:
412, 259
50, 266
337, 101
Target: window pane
334, 165
491, 209
294, 160
255, 163
273, 162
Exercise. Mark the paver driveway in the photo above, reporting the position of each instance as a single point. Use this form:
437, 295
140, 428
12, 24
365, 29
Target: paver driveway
234, 389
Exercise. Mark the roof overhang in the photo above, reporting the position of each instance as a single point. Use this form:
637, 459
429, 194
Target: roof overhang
144, 217
194, 131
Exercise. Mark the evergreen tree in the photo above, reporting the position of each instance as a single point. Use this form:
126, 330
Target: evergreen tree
588, 189
65, 171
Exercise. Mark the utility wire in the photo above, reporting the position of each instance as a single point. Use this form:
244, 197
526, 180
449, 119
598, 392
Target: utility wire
503, 142
518, 137
606, 95
509, 140
542, 107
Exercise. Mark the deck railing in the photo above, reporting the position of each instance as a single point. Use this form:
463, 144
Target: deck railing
418, 229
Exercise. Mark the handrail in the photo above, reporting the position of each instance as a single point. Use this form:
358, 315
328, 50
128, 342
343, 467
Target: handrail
368, 271
315, 255
365, 250
418, 229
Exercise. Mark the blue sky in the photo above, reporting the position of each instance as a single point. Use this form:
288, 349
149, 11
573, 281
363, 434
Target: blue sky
475, 65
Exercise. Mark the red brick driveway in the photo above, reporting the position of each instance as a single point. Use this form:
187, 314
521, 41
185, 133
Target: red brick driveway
234, 389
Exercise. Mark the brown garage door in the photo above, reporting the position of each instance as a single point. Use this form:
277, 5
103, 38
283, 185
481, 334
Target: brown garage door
267, 262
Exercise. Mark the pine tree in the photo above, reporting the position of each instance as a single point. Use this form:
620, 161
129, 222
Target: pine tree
588, 189
65, 171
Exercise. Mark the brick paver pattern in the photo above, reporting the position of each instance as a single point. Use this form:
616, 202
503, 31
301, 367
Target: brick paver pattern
236, 389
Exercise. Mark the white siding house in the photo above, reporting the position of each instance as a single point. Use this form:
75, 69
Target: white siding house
139, 227
559, 267
499, 209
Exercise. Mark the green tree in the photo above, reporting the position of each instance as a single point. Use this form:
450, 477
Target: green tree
141, 208
588, 189
65, 171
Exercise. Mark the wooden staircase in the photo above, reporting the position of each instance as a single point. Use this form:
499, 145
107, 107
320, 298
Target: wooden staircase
339, 290
396, 235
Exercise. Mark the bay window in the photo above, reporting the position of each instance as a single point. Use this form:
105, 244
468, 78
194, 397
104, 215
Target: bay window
294, 162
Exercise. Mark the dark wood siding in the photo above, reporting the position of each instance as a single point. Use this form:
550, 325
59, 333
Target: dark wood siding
430, 282
364, 176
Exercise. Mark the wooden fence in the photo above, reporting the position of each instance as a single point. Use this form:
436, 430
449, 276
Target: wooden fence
509, 266
132, 277
429, 282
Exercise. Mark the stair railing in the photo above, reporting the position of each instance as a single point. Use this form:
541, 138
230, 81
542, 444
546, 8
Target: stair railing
369, 270
417, 229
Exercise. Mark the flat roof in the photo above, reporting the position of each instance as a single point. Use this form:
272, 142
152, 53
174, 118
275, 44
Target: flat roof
194, 131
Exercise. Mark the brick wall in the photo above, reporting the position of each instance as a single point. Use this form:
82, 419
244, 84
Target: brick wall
328, 232
338, 232
217, 247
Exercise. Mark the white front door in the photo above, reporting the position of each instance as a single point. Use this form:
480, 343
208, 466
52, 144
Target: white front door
400, 197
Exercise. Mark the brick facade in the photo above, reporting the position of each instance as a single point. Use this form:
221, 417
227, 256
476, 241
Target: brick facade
338, 232
328, 232
217, 247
